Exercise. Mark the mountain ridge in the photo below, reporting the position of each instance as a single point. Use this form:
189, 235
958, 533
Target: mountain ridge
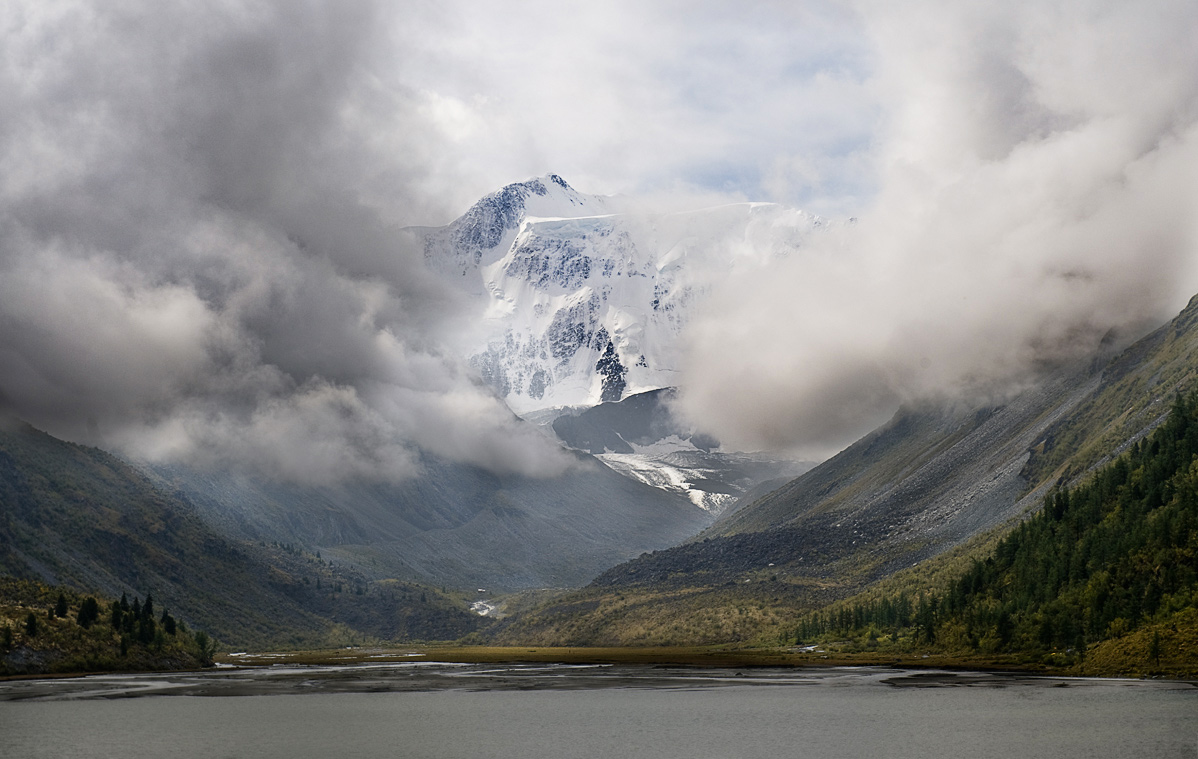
456, 524
78, 516
640, 437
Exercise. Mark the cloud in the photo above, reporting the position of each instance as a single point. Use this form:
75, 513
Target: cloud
201, 208
766, 101
200, 247
1037, 169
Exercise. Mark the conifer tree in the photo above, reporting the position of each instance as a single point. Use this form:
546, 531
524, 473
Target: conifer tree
89, 612
168, 622
205, 645
145, 630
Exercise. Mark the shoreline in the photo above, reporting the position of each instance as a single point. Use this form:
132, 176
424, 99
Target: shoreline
702, 656
408, 674
715, 657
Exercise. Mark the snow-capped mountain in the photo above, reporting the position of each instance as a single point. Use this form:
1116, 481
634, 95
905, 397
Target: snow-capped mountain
586, 296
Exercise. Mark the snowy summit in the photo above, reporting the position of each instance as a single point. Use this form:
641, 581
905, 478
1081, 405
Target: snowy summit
586, 296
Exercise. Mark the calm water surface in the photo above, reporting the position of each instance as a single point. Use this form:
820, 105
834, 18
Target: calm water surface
437, 710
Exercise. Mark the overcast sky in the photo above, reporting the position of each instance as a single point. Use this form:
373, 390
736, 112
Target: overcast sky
198, 206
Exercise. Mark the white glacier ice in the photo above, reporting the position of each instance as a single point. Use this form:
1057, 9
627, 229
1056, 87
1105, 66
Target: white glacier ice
585, 297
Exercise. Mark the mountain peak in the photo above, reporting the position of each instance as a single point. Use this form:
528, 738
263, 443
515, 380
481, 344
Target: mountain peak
487, 228
585, 296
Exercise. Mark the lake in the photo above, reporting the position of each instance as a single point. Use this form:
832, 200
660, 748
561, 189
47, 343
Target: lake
425, 709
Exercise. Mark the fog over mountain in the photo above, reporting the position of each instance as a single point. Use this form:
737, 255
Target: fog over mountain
195, 266
1037, 175
200, 207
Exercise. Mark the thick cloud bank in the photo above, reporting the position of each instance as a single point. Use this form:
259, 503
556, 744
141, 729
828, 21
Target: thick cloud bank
1038, 175
200, 256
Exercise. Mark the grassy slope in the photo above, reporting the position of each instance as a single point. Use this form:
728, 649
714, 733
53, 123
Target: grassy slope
685, 616
61, 644
1134, 397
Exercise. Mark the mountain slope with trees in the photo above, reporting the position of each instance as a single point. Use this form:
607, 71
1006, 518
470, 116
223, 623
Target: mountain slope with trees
936, 481
44, 629
1104, 567
81, 518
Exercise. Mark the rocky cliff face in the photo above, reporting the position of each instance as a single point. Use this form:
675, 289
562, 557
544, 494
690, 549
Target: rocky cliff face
640, 438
